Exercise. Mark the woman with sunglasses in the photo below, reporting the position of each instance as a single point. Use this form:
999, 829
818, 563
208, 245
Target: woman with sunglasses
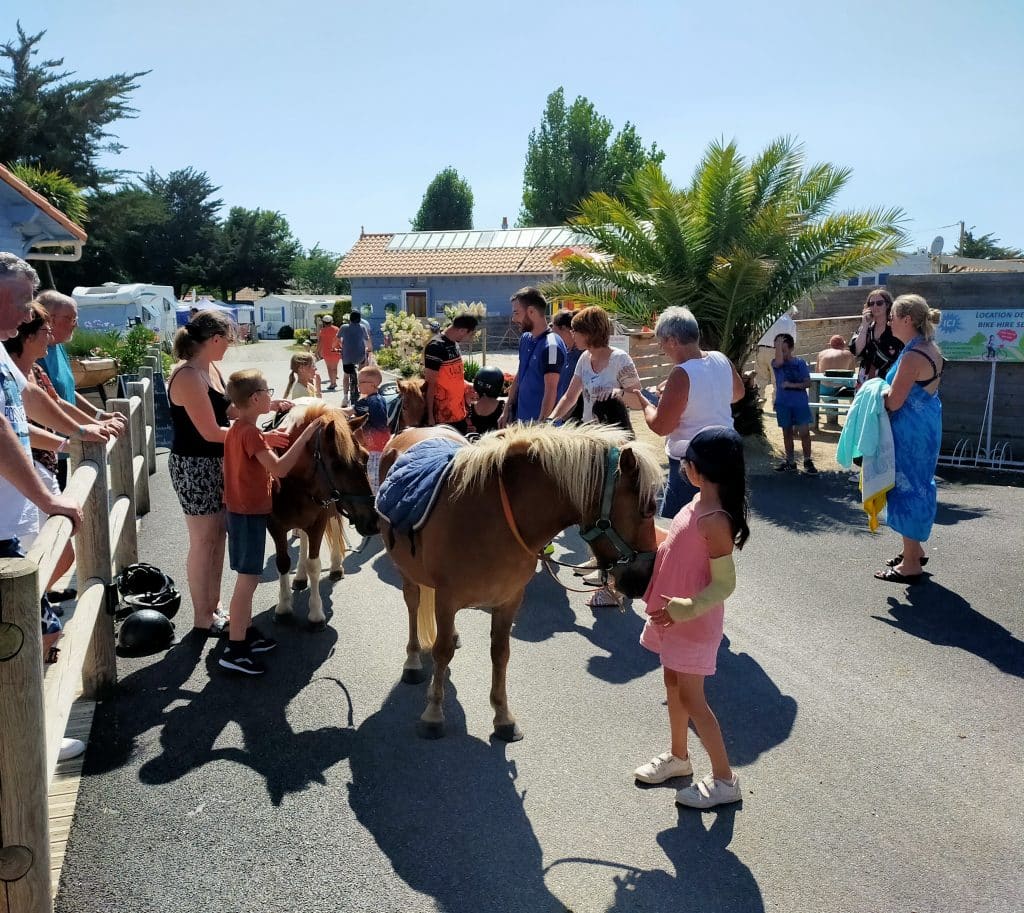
874, 345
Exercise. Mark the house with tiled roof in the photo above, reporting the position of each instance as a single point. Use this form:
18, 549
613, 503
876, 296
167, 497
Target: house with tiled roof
422, 271
33, 228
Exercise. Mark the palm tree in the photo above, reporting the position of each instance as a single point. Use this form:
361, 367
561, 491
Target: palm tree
738, 246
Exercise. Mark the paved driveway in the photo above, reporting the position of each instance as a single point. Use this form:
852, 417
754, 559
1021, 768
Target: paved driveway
876, 731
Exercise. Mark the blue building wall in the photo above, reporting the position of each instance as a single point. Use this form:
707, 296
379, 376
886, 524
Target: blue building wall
493, 291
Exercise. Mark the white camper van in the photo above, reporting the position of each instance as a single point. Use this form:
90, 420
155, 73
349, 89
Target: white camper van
121, 306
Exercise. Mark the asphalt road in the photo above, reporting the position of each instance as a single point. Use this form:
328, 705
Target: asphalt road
876, 730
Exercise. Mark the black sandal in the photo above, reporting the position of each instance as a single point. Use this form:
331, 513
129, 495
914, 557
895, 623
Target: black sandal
890, 575
892, 562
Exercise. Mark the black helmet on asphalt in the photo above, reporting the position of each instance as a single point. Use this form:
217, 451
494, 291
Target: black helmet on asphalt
489, 382
142, 578
145, 631
167, 601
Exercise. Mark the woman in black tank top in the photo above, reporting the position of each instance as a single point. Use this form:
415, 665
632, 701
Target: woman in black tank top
199, 419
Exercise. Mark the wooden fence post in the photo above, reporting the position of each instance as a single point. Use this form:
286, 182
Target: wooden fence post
122, 483
147, 372
93, 559
24, 814
138, 423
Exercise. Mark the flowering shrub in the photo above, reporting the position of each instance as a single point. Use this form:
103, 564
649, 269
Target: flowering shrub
404, 339
99, 340
474, 308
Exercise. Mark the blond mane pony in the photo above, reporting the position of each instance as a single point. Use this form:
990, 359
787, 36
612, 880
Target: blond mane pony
309, 409
574, 456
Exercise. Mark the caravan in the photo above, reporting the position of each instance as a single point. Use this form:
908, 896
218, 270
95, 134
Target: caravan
119, 307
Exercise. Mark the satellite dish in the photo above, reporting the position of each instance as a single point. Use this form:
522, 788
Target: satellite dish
936, 247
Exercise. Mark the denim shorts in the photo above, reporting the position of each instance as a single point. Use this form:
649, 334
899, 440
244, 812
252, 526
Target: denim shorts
247, 542
51, 624
790, 416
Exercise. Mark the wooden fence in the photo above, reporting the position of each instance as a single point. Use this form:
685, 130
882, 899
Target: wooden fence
111, 482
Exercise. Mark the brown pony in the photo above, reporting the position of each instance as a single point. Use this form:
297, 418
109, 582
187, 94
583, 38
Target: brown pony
473, 551
413, 392
329, 480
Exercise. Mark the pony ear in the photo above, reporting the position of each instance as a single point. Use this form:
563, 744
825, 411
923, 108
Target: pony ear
357, 422
627, 461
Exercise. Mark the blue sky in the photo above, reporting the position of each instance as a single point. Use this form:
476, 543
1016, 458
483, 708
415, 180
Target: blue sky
338, 114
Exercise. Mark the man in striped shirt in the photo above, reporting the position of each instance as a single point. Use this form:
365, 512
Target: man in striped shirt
534, 391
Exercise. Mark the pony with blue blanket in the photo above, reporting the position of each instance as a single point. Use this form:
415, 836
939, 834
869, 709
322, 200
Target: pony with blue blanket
498, 503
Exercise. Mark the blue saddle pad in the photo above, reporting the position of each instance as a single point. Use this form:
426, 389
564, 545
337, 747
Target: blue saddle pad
411, 488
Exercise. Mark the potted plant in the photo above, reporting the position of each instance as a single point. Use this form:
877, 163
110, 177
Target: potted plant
91, 353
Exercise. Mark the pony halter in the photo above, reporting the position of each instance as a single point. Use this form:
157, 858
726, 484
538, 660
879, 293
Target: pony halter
342, 498
603, 526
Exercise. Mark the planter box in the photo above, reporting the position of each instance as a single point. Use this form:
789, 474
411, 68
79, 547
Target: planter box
93, 372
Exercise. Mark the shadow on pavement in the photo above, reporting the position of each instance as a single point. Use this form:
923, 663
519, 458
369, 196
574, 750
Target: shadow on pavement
755, 715
447, 813
946, 619
802, 504
708, 877
191, 721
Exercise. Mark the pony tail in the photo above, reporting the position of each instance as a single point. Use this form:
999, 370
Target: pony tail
290, 381
733, 495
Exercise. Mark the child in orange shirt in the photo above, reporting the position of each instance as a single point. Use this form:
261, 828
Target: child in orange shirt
249, 469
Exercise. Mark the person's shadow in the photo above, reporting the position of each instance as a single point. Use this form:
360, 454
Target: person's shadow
708, 876
447, 813
288, 761
758, 715
946, 619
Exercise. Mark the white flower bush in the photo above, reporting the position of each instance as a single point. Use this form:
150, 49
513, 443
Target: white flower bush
404, 339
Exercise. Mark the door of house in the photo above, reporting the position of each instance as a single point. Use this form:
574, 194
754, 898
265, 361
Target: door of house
416, 304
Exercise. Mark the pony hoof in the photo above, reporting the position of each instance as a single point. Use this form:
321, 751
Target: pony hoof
414, 676
284, 618
336, 575
317, 625
429, 730
300, 584
509, 732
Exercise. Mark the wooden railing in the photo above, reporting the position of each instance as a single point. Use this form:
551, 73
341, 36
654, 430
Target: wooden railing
111, 482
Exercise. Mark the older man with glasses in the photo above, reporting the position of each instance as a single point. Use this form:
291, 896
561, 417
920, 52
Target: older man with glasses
63, 313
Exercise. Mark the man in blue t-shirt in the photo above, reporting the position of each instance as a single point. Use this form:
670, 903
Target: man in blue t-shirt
534, 390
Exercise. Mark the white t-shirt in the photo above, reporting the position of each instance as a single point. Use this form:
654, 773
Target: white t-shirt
709, 401
620, 372
785, 324
17, 513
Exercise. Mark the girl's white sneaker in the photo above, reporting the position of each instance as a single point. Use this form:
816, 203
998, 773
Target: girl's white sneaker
664, 767
709, 792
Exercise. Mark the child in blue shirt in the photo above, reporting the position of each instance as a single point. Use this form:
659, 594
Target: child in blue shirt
792, 378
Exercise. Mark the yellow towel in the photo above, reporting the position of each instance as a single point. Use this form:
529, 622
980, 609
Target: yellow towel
873, 504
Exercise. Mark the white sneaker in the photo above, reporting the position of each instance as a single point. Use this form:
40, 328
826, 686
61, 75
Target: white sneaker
709, 792
664, 767
70, 748
595, 578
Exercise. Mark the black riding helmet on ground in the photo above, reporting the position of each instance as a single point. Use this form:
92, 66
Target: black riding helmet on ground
144, 632
142, 578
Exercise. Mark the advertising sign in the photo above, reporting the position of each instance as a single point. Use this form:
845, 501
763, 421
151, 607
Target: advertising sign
982, 335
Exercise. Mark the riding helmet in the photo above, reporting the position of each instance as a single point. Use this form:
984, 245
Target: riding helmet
166, 601
142, 578
144, 632
489, 382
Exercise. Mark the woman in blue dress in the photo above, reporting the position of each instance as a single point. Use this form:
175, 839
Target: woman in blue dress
915, 414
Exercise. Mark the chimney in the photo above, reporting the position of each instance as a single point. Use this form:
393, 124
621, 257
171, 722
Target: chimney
504, 223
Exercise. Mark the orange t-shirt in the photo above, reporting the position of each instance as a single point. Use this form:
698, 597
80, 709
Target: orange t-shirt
247, 482
328, 341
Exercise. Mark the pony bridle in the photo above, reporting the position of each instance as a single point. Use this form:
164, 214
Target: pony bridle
342, 498
602, 526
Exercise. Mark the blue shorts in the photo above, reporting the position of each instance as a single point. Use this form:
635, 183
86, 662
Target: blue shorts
247, 542
51, 623
792, 415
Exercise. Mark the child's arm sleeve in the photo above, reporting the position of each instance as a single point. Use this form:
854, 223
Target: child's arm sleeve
723, 582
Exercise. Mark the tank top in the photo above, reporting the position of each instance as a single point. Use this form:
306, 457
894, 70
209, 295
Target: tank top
709, 402
187, 439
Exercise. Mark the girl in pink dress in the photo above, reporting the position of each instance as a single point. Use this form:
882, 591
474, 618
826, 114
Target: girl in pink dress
693, 574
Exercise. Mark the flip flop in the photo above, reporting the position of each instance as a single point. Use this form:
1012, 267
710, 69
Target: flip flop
892, 562
62, 595
892, 576
602, 599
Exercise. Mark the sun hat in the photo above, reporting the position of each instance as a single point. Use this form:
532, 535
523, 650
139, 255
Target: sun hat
327, 318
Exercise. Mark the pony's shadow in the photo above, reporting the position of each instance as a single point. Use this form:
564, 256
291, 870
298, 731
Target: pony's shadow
708, 877
944, 618
759, 715
618, 634
360, 556
447, 813
288, 761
